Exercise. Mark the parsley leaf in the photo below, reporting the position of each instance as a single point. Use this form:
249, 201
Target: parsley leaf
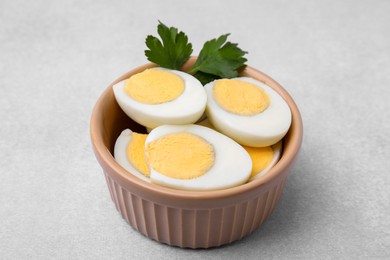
172, 52
219, 58
205, 78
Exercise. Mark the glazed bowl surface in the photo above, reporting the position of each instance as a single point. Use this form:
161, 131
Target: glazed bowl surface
193, 219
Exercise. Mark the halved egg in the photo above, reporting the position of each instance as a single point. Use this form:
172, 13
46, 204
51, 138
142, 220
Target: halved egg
161, 96
129, 152
263, 158
248, 111
193, 157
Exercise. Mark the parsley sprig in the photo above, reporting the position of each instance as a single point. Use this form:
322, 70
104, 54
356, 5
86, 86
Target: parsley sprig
218, 58
172, 52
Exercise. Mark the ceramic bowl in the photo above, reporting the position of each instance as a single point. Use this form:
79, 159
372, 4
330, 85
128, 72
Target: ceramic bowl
193, 219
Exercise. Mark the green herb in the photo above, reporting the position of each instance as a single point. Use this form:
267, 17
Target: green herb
205, 78
172, 52
217, 59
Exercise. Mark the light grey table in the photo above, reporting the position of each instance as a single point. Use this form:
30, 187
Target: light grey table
56, 57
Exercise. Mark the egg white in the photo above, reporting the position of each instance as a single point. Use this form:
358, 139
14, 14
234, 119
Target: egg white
259, 130
120, 154
185, 109
232, 164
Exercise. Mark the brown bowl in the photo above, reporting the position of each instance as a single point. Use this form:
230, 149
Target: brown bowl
194, 219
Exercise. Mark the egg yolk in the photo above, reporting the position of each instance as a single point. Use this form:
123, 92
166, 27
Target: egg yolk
261, 158
180, 155
239, 97
154, 86
136, 153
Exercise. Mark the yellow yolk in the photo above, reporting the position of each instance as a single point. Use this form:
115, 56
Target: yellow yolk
261, 158
239, 97
154, 86
136, 153
180, 155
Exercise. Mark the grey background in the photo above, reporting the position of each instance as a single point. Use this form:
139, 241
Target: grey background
57, 57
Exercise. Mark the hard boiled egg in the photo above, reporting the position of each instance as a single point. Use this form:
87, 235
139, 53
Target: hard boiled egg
193, 157
263, 158
129, 152
160, 96
248, 111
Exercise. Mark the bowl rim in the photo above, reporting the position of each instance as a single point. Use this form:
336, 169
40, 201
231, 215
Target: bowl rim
289, 153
